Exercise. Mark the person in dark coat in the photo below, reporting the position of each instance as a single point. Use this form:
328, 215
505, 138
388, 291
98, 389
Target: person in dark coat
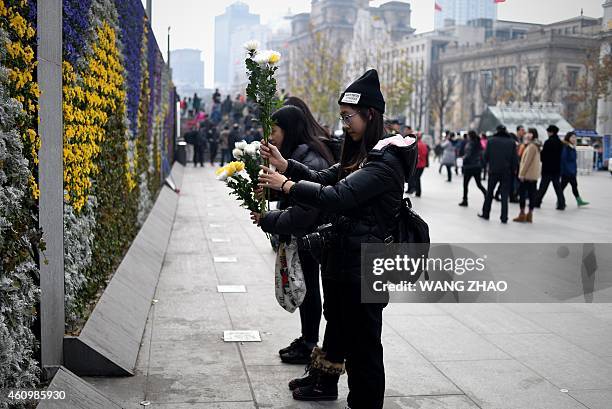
502, 159
291, 137
212, 137
472, 165
234, 136
199, 146
569, 168
364, 194
226, 107
551, 167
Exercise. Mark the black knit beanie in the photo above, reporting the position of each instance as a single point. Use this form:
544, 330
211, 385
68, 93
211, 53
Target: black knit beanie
365, 92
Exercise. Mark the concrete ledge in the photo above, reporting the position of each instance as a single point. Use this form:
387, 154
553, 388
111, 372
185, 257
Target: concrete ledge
79, 394
109, 343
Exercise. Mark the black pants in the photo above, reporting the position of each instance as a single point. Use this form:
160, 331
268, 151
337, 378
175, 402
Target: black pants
198, 154
555, 179
310, 310
353, 332
225, 154
467, 175
504, 180
414, 186
571, 180
212, 147
528, 189
448, 171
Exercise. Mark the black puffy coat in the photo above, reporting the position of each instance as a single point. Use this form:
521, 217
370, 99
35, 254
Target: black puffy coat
365, 204
501, 154
551, 156
294, 218
472, 158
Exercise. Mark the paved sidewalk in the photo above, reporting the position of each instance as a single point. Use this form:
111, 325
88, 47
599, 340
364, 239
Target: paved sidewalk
437, 356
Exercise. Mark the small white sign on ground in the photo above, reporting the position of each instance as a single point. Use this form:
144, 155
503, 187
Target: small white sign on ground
225, 260
241, 336
219, 240
231, 289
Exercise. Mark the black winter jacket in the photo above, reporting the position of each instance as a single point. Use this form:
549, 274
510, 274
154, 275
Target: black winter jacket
294, 218
365, 204
472, 158
501, 154
551, 156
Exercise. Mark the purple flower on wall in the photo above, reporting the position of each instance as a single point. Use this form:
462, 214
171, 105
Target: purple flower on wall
32, 7
131, 19
75, 25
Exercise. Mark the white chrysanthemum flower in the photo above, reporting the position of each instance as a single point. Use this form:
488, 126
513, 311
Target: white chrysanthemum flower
240, 145
256, 144
262, 57
244, 174
250, 150
251, 45
237, 153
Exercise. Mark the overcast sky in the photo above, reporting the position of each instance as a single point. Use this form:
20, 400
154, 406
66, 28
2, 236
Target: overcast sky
193, 21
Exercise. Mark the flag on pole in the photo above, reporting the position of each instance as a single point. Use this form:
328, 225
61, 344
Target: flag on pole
437, 7
499, 1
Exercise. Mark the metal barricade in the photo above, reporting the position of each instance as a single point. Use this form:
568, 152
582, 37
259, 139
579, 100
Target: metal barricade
584, 159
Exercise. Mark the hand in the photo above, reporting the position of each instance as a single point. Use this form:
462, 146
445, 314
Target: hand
271, 179
271, 152
256, 217
259, 193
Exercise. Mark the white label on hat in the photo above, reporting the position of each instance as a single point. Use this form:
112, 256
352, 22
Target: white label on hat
351, 98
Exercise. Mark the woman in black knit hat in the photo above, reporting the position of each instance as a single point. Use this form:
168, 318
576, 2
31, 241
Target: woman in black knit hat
363, 194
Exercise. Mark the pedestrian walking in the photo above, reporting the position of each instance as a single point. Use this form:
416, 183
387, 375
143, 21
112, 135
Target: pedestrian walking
414, 186
224, 145
501, 158
551, 167
472, 165
449, 155
212, 137
529, 173
569, 168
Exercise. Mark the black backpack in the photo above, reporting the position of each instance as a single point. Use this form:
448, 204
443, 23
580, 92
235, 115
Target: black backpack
410, 229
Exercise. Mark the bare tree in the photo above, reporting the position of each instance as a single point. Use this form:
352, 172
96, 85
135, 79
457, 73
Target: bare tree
317, 75
441, 90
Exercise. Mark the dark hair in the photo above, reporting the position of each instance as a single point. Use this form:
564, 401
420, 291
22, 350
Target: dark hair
292, 121
568, 136
354, 153
534, 133
474, 139
518, 128
312, 126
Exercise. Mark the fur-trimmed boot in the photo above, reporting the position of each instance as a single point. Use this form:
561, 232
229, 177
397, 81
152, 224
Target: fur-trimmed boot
321, 381
310, 373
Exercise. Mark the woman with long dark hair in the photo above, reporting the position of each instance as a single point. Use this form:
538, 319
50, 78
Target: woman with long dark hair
363, 194
291, 136
472, 165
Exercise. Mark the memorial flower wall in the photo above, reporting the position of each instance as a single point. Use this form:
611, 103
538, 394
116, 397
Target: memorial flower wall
118, 117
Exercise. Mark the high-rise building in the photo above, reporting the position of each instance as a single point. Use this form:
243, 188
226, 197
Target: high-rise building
236, 16
459, 12
187, 70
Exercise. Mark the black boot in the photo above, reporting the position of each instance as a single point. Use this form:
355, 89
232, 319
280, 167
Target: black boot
321, 383
310, 377
325, 387
291, 345
463, 203
300, 353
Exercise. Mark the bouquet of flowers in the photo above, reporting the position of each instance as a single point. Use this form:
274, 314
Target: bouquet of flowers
242, 175
261, 66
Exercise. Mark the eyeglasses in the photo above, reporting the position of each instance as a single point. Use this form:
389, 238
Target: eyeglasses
346, 119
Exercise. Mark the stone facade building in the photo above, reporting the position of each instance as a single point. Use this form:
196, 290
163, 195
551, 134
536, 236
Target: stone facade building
547, 64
